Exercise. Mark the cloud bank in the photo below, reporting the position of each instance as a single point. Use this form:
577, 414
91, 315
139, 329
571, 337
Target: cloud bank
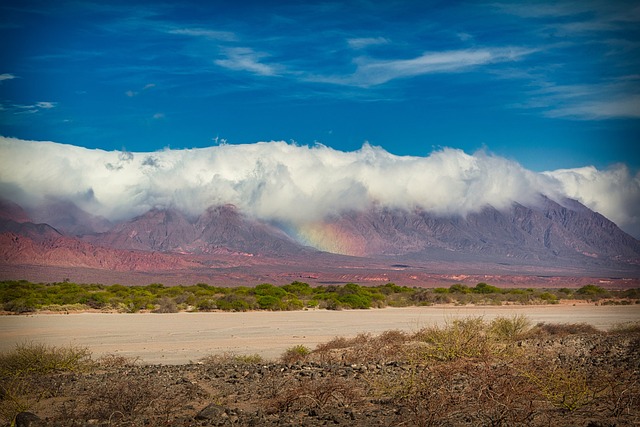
295, 184
615, 193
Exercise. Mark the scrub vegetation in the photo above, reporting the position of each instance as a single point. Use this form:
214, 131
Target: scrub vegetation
467, 371
24, 297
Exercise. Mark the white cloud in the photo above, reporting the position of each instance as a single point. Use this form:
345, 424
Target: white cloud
28, 109
7, 76
371, 72
618, 98
364, 42
297, 184
624, 106
206, 33
46, 105
132, 93
246, 59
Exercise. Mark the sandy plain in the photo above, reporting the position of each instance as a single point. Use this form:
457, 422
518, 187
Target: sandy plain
186, 337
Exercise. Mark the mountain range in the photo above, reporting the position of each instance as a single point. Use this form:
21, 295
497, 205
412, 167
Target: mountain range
561, 239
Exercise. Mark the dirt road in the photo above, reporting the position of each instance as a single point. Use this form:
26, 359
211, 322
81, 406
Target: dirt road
182, 337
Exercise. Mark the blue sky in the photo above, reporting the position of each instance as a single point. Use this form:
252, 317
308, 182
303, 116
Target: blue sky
548, 84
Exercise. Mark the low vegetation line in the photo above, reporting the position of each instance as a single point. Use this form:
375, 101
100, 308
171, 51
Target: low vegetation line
26, 297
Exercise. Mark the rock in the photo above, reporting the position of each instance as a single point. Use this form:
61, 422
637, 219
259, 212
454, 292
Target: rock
28, 419
212, 412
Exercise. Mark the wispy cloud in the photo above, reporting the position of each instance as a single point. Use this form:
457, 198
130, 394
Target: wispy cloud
45, 105
29, 108
619, 98
625, 106
206, 33
371, 72
363, 42
246, 59
578, 18
7, 76
132, 93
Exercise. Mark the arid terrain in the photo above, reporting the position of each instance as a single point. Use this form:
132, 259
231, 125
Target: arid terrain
560, 365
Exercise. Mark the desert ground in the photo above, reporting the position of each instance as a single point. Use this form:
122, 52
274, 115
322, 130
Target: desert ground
180, 338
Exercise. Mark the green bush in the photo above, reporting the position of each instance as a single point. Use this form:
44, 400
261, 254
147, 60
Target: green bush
483, 288
460, 338
24, 297
295, 354
510, 328
269, 302
591, 290
459, 289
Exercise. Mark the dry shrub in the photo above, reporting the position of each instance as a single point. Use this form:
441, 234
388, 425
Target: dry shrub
335, 343
347, 350
127, 399
626, 328
166, 305
18, 394
457, 392
567, 389
562, 329
428, 395
24, 370
619, 392
34, 358
110, 361
230, 358
390, 345
317, 394
503, 396
363, 348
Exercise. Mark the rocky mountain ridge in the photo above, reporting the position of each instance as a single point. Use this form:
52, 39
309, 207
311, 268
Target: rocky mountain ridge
549, 236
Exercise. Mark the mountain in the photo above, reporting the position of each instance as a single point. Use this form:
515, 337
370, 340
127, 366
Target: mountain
69, 252
547, 231
157, 230
12, 211
68, 218
560, 238
221, 229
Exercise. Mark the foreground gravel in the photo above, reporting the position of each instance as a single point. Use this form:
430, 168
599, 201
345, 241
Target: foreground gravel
582, 379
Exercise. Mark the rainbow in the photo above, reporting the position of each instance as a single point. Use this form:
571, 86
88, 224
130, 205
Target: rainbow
331, 238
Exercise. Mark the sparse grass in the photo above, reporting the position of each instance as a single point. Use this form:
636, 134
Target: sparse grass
35, 358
